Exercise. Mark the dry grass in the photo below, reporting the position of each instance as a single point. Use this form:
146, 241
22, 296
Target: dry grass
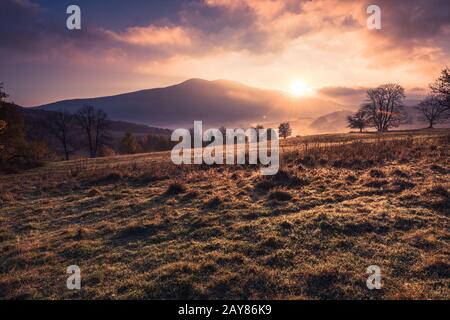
141, 227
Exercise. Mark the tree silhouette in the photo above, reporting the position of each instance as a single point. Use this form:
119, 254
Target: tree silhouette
384, 106
442, 84
285, 130
3, 94
433, 110
441, 88
94, 124
358, 121
60, 125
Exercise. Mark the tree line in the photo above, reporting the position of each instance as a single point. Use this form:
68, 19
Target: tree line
131, 144
94, 125
86, 129
15, 146
384, 108
92, 122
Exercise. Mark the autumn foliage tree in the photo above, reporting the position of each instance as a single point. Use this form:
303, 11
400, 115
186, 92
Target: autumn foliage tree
2, 128
13, 137
17, 151
129, 145
12, 129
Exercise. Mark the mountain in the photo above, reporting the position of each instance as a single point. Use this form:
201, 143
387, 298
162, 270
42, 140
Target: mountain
219, 102
332, 122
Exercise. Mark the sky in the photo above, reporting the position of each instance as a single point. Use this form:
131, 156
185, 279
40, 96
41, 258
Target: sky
306, 47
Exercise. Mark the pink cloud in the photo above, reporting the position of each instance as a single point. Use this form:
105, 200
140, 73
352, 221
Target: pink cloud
155, 36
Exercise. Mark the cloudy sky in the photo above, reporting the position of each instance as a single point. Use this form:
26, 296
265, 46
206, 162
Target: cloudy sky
318, 47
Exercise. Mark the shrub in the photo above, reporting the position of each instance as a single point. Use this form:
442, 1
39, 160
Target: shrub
106, 151
402, 184
264, 185
111, 177
175, 188
437, 269
439, 191
351, 178
309, 161
376, 184
190, 196
280, 195
438, 169
376, 173
400, 173
213, 203
282, 178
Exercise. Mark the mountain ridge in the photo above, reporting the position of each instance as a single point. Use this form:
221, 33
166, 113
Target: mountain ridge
217, 102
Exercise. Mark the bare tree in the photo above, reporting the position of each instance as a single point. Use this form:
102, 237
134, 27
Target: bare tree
285, 130
358, 121
384, 106
441, 88
433, 110
94, 124
60, 126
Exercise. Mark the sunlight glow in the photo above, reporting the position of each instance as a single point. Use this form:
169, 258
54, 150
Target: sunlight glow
299, 88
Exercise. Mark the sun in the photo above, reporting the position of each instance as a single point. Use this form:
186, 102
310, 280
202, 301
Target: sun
299, 88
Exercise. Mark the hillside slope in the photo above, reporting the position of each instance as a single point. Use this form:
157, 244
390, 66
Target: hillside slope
226, 232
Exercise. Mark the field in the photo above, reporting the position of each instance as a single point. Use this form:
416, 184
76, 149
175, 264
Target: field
140, 227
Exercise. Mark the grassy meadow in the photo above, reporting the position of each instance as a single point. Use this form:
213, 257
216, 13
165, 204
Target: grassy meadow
140, 227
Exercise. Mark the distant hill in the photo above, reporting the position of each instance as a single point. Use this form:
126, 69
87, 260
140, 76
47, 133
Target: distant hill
332, 122
38, 121
32, 115
216, 103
